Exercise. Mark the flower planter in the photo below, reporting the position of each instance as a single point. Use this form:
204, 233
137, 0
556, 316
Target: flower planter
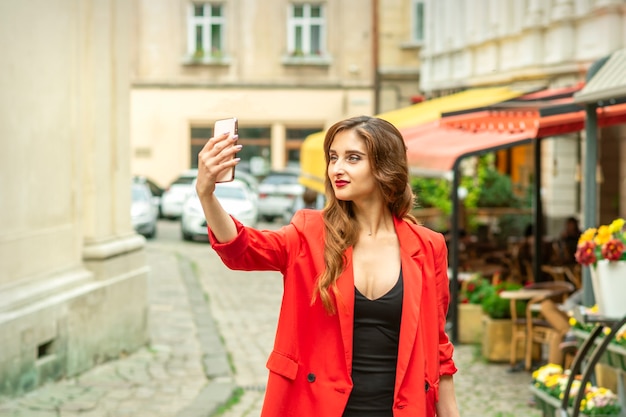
550, 406
546, 403
496, 340
609, 287
470, 323
614, 356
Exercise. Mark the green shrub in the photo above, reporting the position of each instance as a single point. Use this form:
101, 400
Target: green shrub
497, 307
474, 290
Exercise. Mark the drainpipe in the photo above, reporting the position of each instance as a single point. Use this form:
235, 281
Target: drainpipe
590, 187
375, 55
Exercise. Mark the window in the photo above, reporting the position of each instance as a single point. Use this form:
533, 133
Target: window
306, 30
206, 31
417, 21
295, 138
199, 137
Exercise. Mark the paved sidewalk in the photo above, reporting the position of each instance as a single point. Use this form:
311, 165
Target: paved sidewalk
186, 370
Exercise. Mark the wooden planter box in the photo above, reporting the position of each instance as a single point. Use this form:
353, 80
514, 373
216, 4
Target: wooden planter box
470, 323
496, 341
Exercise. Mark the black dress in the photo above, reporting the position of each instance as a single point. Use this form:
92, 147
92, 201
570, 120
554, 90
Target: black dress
375, 353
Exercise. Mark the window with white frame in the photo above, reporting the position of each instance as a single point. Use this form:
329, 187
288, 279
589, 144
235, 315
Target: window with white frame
417, 21
306, 30
206, 30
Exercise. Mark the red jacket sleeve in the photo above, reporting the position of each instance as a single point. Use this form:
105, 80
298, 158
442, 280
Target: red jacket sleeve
260, 250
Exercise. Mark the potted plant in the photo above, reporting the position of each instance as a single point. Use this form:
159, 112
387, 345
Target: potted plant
470, 309
198, 54
497, 324
604, 251
497, 307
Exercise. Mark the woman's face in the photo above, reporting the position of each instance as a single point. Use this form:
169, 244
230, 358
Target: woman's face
349, 168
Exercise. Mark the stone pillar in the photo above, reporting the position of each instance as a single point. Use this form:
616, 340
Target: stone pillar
72, 271
278, 145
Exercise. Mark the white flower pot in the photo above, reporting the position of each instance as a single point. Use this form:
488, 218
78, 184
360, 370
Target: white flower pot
609, 287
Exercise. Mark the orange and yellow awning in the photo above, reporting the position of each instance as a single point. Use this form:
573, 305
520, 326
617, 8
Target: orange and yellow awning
312, 161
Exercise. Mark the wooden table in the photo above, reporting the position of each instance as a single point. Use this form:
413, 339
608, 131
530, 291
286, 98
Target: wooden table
524, 294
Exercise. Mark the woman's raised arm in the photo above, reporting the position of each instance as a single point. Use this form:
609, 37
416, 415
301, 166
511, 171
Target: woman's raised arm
214, 159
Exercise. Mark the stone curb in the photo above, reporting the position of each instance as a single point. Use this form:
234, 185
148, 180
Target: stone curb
221, 386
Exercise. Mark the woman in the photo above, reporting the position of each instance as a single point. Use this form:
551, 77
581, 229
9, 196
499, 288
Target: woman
361, 326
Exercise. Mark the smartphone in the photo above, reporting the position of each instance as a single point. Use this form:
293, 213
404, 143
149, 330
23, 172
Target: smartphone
226, 126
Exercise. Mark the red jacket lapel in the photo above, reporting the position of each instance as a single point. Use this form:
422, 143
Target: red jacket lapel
412, 260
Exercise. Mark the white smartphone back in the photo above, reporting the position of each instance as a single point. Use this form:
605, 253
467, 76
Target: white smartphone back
226, 126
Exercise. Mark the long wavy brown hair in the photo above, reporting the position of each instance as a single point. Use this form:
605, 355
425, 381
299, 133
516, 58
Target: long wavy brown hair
387, 156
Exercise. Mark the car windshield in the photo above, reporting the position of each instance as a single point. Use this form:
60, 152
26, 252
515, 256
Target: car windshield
280, 179
230, 192
139, 194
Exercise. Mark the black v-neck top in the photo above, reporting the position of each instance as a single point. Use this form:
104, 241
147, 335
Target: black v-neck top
375, 353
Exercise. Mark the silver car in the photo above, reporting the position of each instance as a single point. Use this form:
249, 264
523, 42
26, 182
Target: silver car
144, 210
235, 197
279, 193
175, 195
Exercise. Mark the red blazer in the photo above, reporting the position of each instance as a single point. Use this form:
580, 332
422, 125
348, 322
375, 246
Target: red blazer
310, 365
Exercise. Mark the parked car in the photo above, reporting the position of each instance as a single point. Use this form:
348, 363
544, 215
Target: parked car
248, 178
144, 210
278, 194
155, 189
175, 195
237, 199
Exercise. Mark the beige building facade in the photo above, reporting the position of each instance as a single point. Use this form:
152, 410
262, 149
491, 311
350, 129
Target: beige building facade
531, 44
98, 90
285, 69
72, 270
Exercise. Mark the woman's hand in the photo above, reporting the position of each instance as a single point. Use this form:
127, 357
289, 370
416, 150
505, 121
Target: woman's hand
215, 157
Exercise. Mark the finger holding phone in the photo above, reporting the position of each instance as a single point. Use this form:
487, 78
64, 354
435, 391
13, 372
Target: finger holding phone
216, 163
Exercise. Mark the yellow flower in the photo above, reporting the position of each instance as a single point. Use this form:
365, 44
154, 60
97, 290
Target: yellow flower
587, 235
572, 322
617, 225
603, 236
552, 380
594, 309
606, 330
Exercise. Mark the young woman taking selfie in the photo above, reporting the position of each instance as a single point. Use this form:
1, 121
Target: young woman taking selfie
361, 326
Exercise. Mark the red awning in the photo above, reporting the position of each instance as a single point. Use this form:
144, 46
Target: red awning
435, 148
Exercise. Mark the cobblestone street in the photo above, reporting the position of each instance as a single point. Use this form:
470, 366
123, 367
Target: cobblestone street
211, 331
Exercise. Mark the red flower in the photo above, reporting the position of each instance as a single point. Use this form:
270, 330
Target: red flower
471, 286
586, 253
613, 249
